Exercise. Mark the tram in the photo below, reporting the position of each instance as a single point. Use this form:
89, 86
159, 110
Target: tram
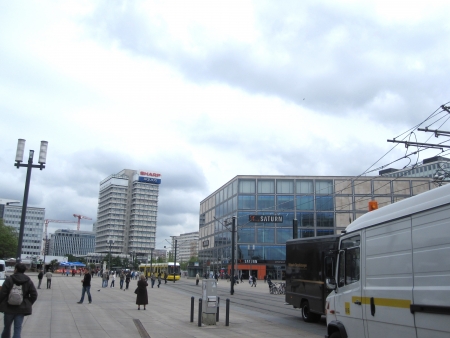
161, 268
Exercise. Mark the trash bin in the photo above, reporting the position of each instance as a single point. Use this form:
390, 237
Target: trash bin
209, 300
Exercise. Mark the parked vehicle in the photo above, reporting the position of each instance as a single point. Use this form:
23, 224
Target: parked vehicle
308, 262
393, 272
2, 272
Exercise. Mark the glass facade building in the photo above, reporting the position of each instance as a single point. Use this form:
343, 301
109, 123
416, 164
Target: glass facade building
321, 205
73, 242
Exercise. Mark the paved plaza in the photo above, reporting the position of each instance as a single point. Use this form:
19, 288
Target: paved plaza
113, 313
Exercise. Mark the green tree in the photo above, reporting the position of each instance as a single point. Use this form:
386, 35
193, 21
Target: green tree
116, 261
92, 266
71, 258
54, 264
9, 241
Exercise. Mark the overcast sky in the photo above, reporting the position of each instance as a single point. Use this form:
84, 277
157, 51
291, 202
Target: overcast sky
202, 91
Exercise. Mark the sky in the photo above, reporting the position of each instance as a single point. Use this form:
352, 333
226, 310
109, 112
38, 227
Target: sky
202, 91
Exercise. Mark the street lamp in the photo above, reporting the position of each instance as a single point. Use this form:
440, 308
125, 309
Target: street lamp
175, 261
151, 260
110, 242
29, 166
251, 251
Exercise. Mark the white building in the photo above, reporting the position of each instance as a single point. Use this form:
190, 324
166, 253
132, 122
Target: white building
78, 243
187, 246
34, 225
127, 212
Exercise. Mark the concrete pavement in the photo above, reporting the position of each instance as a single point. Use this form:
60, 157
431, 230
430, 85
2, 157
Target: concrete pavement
113, 313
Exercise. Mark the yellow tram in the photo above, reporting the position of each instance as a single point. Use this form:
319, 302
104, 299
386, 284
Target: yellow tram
161, 268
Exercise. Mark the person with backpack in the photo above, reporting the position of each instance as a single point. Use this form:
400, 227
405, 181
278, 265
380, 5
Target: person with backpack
17, 297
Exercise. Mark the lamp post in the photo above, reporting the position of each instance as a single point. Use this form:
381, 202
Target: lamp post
151, 261
251, 251
110, 242
175, 261
29, 166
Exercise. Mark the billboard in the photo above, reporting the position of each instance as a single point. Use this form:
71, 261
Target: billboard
151, 177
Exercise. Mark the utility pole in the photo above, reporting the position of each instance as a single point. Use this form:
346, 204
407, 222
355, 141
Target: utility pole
233, 256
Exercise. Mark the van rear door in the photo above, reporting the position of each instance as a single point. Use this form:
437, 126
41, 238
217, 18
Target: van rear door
431, 252
388, 282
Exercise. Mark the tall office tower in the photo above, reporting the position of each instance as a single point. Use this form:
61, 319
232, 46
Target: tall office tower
127, 213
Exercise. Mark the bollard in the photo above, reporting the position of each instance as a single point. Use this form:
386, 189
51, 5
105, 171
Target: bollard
192, 309
199, 312
227, 313
217, 312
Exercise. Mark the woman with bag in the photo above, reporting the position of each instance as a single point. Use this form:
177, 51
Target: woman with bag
141, 292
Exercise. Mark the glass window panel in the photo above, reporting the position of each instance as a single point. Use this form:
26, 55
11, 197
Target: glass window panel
230, 205
305, 219
305, 202
246, 186
324, 203
285, 186
266, 235
246, 235
220, 196
305, 187
242, 218
321, 232
324, 187
235, 187
325, 219
283, 235
247, 202
234, 203
266, 187
217, 199
305, 233
266, 202
288, 217
225, 193
230, 190
275, 252
285, 202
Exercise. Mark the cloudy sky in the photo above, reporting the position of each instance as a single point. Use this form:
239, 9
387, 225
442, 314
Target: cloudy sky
202, 91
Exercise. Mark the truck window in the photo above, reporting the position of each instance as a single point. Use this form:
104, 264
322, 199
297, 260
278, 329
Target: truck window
349, 261
329, 267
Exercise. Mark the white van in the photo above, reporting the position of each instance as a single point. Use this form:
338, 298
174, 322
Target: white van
2, 272
393, 272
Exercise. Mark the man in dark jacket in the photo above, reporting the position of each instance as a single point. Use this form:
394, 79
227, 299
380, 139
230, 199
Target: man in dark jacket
16, 313
40, 276
86, 287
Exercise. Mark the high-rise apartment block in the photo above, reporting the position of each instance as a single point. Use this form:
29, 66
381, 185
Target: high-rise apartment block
127, 212
187, 246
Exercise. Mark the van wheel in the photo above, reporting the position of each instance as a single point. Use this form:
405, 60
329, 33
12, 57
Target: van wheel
307, 315
336, 334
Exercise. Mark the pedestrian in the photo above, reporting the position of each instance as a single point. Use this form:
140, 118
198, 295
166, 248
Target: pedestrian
16, 313
250, 281
86, 287
265, 278
67, 272
113, 277
152, 278
254, 281
165, 277
197, 279
105, 279
49, 276
159, 279
122, 278
127, 281
40, 276
141, 292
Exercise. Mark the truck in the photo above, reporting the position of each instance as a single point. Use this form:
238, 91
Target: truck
392, 276
309, 261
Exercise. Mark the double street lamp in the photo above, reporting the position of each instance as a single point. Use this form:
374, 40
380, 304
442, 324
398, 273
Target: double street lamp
151, 261
110, 242
29, 166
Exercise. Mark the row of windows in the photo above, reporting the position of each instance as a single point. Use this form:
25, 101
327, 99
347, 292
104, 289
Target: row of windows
283, 186
284, 202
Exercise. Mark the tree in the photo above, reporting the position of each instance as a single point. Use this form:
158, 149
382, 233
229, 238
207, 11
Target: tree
116, 261
54, 264
9, 240
71, 258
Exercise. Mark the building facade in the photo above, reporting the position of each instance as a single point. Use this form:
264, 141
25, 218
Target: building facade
34, 225
187, 246
71, 242
321, 205
127, 212
437, 167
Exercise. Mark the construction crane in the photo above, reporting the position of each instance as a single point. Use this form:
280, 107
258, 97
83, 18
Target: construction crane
46, 227
79, 218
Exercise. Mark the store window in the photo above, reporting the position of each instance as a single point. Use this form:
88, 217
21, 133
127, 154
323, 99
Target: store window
246, 235
246, 186
324, 203
305, 187
324, 187
285, 186
266, 187
306, 233
325, 219
246, 202
283, 235
285, 202
266, 235
266, 202
305, 219
305, 202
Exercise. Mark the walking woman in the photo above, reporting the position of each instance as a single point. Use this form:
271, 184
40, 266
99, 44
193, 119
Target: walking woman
141, 292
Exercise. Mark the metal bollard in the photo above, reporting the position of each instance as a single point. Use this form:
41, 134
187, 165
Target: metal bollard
218, 307
199, 312
192, 309
227, 313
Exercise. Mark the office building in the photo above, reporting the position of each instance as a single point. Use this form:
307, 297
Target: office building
322, 206
71, 242
187, 246
127, 213
34, 225
437, 167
